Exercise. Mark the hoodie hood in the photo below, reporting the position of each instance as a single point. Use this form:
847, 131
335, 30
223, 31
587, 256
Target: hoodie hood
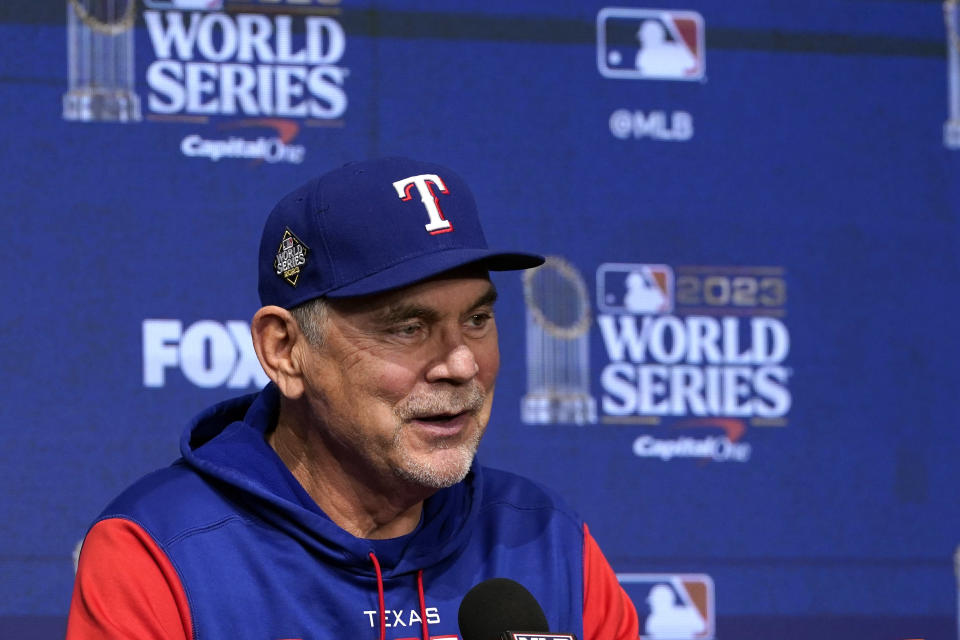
227, 445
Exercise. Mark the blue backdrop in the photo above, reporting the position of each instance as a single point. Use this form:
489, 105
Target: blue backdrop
739, 364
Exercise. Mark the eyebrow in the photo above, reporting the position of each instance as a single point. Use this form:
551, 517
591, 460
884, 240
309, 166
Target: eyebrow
488, 298
402, 311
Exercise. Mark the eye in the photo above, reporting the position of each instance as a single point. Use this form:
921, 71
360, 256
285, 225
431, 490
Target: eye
479, 320
408, 330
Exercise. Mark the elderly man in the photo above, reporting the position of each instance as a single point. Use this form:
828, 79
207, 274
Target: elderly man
342, 501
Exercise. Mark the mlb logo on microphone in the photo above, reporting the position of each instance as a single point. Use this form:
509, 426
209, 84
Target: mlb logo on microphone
650, 44
672, 606
634, 288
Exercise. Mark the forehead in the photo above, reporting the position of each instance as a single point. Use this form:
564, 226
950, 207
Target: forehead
468, 286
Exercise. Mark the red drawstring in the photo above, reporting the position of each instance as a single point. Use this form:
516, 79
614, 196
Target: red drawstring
383, 610
423, 606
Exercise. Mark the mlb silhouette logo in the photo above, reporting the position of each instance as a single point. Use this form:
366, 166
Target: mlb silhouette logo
673, 606
650, 44
627, 287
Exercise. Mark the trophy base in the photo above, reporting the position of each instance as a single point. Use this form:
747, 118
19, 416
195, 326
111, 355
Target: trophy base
552, 408
101, 105
951, 134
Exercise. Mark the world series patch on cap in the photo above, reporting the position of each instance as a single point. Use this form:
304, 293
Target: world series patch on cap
373, 226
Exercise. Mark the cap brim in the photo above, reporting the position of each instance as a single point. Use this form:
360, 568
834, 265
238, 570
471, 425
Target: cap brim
429, 265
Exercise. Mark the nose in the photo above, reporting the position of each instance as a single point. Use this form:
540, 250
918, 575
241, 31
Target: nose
457, 365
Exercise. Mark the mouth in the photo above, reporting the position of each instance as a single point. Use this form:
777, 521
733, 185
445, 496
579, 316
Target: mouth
445, 422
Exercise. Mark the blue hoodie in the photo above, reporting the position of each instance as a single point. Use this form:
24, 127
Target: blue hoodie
246, 553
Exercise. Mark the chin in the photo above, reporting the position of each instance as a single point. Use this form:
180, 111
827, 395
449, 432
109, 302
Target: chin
442, 469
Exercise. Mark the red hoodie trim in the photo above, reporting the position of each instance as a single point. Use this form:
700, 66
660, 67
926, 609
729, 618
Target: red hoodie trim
126, 588
608, 613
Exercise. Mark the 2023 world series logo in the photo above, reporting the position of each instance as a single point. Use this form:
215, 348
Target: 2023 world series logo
694, 354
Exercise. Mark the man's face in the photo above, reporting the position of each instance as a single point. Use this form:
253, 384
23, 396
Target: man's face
403, 382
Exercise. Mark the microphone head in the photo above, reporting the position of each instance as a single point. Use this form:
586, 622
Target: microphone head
496, 606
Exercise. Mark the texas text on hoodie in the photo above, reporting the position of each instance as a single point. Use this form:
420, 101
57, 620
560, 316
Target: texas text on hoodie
225, 543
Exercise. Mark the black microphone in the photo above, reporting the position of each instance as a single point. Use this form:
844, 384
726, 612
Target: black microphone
502, 609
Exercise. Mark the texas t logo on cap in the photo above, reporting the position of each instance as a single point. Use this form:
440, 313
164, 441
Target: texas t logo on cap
437, 224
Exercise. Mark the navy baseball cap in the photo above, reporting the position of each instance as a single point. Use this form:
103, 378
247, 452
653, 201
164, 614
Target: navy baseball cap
373, 226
